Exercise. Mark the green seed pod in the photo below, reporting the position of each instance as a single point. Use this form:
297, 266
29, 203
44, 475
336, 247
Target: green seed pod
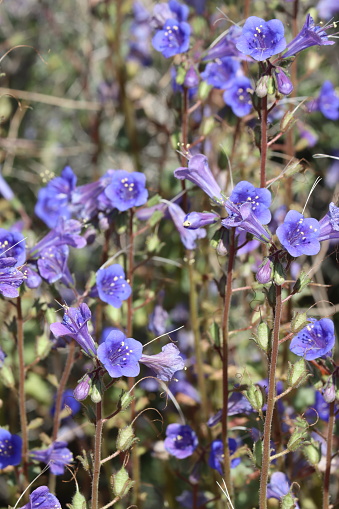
297, 439
297, 373
95, 393
78, 501
257, 453
255, 396
126, 438
312, 452
299, 321
121, 483
263, 337
125, 400
261, 86
287, 501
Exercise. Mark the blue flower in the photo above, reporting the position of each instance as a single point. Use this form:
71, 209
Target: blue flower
112, 286
243, 217
195, 220
89, 199
54, 200
126, 190
216, 457
314, 340
69, 401
57, 455
299, 235
75, 325
181, 441
120, 355
226, 46
310, 35
10, 278
327, 8
12, 244
198, 172
173, 38
320, 408
259, 199
238, 96
188, 237
261, 39
284, 84
329, 224
279, 486
166, 363
237, 404
10, 449
42, 498
220, 74
52, 265
165, 11
327, 102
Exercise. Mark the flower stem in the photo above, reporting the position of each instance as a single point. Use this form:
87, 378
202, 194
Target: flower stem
263, 144
330, 428
22, 399
97, 456
225, 337
270, 401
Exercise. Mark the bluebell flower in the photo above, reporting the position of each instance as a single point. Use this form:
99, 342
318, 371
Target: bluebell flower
10, 449
126, 190
54, 200
310, 35
261, 39
243, 217
33, 279
42, 498
198, 172
191, 80
171, 10
12, 244
220, 74
279, 486
89, 199
52, 265
265, 272
173, 38
259, 199
112, 286
181, 441
157, 320
195, 220
140, 45
57, 455
283, 82
299, 235
329, 224
226, 46
216, 457
166, 363
10, 278
314, 340
188, 237
238, 96
327, 102
75, 325
120, 355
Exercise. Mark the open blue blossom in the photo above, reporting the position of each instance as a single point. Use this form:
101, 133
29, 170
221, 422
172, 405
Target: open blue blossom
120, 355
310, 35
243, 217
220, 74
216, 457
261, 39
54, 200
299, 235
10, 449
195, 220
10, 278
279, 486
89, 199
112, 286
53, 267
166, 363
314, 340
198, 172
42, 498
259, 199
57, 455
12, 244
188, 237
329, 224
181, 441
173, 38
126, 190
75, 325
238, 96
327, 102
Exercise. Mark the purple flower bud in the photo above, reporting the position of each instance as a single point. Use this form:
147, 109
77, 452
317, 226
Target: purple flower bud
192, 78
284, 84
264, 273
329, 390
195, 220
83, 388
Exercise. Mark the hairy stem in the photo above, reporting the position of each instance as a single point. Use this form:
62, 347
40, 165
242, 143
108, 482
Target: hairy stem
330, 429
97, 456
270, 401
22, 398
225, 338
263, 144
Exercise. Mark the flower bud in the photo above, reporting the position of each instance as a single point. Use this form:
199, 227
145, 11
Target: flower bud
264, 273
95, 393
195, 220
78, 501
83, 388
126, 438
297, 373
121, 483
297, 439
312, 452
263, 337
257, 453
284, 84
261, 86
279, 274
192, 78
125, 400
287, 501
329, 390
255, 396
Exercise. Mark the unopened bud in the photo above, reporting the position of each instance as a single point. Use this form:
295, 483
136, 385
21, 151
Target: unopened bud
125, 438
261, 86
284, 84
121, 483
83, 388
297, 373
96, 393
297, 439
329, 391
191, 78
255, 396
263, 337
312, 452
264, 273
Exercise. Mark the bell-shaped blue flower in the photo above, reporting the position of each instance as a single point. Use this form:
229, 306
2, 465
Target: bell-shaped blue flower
243, 217
157, 320
261, 39
259, 199
57, 455
166, 363
329, 224
299, 235
327, 101
279, 486
220, 74
226, 46
188, 237
181, 441
42, 498
216, 457
310, 35
120, 355
10, 449
127, 190
314, 340
53, 267
12, 244
238, 96
173, 38
10, 278
112, 286
198, 172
